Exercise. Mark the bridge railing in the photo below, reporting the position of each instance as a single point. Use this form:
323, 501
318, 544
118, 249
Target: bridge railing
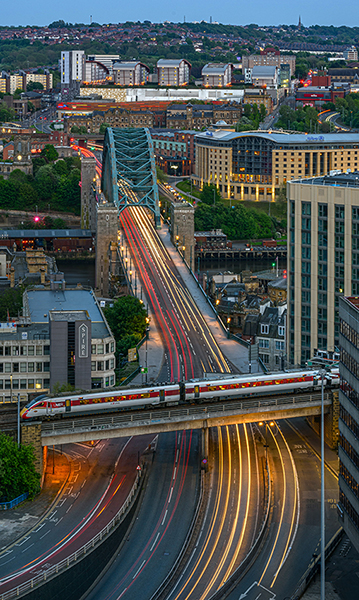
75, 556
110, 421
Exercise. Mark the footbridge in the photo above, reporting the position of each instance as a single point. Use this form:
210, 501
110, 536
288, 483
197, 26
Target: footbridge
157, 420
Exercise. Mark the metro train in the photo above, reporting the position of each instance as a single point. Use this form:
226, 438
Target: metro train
194, 391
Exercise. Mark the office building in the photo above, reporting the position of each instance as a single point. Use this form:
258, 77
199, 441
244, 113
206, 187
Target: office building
323, 259
173, 72
348, 506
217, 75
255, 165
56, 342
130, 73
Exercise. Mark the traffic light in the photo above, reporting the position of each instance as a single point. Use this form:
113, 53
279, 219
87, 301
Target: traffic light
273, 264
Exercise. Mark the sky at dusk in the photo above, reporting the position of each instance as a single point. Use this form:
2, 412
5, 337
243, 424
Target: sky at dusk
262, 12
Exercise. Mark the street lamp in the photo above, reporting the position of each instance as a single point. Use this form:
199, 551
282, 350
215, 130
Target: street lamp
322, 499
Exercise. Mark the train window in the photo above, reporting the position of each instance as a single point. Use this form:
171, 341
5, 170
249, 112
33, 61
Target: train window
145, 396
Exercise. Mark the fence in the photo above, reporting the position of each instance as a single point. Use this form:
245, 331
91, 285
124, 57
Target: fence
78, 555
13, 503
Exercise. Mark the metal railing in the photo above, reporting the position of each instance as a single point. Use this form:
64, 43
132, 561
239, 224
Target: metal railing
75, 556
14, 502
111, 421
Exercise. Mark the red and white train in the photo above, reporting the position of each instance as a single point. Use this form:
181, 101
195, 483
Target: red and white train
178, 393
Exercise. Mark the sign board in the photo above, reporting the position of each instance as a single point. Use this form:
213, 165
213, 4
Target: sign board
144, 370
132, 355
83, 341
102, 303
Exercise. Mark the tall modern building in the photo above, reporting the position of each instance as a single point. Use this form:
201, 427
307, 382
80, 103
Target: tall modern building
72, 69
349, 417
323, 259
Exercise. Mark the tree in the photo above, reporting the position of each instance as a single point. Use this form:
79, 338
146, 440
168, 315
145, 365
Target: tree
46, 182
11, 303
127, 321
49, 153
103, 127
17, 469
6, 113
210, 194
161, 176
34, 85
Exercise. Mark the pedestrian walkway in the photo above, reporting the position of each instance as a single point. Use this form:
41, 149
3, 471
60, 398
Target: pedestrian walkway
17, 522
234, 351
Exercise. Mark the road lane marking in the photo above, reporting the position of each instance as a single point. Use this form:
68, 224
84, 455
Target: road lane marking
154, 543
48, 531
139, 569
169, 499
164, 518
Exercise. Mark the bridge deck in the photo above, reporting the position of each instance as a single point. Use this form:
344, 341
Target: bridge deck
112, 425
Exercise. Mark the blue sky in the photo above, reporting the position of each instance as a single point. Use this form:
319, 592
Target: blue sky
263, 12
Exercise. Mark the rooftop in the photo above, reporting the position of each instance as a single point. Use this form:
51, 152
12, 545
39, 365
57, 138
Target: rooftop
283, 137
337, 179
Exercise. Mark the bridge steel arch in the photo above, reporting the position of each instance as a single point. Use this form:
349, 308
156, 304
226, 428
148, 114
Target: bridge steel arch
128, 170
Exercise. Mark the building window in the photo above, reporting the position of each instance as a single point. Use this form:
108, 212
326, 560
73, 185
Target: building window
31, 367
15, 367
7, 367
23, 350
38, 350
7, 350
93, 365
30, 350
264, 328
99, 348
31, 384
46, 366
23, 384
23, 367
263, 343
38, 367
38, 384
100, 365
281, 330
15, 350
93, 348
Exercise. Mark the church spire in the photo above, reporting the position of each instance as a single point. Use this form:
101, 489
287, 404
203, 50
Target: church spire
299, 23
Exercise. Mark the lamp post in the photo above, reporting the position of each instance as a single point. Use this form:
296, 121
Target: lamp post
322, 499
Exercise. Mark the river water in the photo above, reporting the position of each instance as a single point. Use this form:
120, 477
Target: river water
78, 271
83, 271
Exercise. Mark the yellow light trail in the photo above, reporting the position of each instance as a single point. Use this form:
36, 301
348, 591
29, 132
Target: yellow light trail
295, 511
283, 506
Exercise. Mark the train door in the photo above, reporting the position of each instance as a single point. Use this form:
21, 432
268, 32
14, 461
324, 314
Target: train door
182, 388
68, 405
162, 395
196, 392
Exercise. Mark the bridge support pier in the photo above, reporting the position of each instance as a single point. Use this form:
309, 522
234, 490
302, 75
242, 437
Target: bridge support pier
31, 436
106, 239
88, 199
205, 445
331, 423
182, 231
